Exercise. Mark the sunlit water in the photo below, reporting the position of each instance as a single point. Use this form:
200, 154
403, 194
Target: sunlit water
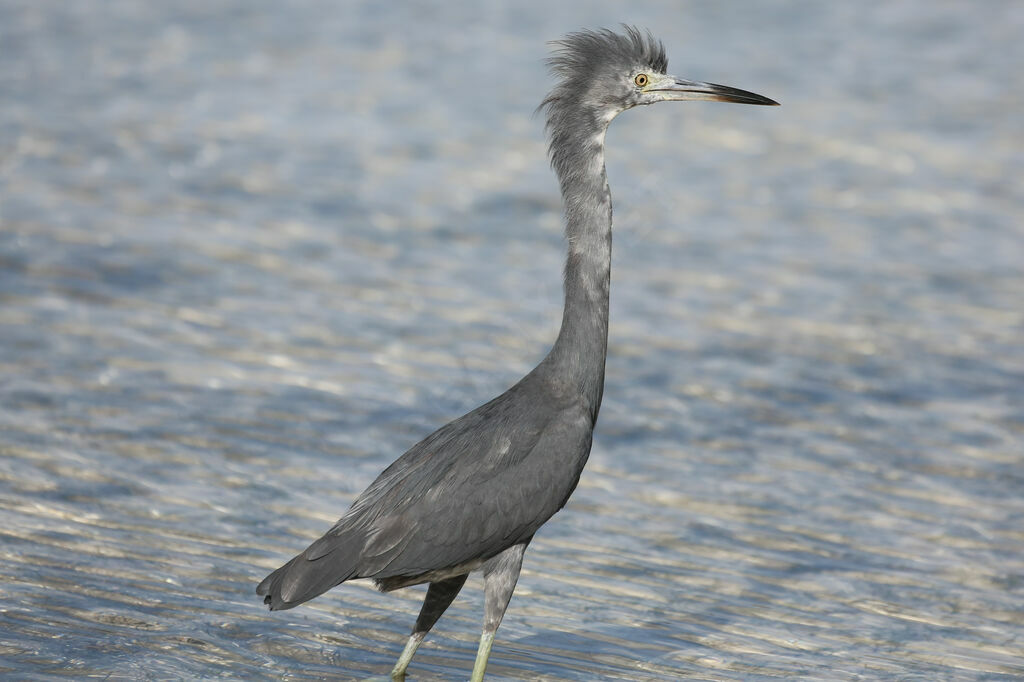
252, 251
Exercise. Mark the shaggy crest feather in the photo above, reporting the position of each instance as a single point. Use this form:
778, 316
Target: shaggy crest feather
587, 51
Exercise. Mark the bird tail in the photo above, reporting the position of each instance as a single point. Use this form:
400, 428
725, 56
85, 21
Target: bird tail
302, 579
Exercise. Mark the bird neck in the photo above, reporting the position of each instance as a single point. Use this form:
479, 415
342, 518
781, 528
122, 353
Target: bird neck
579, 352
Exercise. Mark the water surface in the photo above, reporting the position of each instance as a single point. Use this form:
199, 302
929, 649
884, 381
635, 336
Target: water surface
250, 252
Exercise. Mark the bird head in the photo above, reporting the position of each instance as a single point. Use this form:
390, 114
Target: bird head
600, 74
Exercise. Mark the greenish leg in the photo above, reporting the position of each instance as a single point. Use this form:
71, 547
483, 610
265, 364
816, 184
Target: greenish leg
398, 672
482, 654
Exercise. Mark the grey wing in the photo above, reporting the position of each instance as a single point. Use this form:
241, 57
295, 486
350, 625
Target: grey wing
360, 543
474, 487
500, 499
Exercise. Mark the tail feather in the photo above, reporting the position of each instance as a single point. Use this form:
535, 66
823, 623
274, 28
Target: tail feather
300, 580
345, 552
270, 588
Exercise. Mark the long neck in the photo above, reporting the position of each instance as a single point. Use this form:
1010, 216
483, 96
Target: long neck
578, 356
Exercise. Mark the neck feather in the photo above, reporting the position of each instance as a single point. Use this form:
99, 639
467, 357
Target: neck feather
578, 355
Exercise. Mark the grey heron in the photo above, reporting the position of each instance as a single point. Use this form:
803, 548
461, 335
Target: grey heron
472, 494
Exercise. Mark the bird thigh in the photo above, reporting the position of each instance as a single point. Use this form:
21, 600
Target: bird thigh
500, 576
439, 597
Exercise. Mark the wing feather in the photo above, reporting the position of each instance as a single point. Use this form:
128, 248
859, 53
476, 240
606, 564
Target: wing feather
468, 491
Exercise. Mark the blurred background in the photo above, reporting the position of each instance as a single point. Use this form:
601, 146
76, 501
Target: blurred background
252, 251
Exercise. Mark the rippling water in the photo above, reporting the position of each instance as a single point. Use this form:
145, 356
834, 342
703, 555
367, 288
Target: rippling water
251, 251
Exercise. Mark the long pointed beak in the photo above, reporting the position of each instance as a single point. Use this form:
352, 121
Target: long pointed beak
677, 89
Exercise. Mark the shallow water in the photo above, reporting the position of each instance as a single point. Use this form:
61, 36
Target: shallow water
250, 252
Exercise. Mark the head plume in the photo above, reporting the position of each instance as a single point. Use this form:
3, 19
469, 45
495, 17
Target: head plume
583, 53
592, 71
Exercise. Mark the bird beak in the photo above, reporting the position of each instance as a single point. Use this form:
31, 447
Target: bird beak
671, 89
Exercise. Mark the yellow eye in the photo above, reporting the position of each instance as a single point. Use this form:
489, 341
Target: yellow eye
641, 80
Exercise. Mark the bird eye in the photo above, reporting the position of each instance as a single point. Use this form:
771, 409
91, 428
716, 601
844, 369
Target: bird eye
641, 80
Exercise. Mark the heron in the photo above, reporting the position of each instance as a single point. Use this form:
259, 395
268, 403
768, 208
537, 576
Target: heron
471, 495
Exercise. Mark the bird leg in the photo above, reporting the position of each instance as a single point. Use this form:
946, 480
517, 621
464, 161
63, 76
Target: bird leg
439, 597
500, 575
